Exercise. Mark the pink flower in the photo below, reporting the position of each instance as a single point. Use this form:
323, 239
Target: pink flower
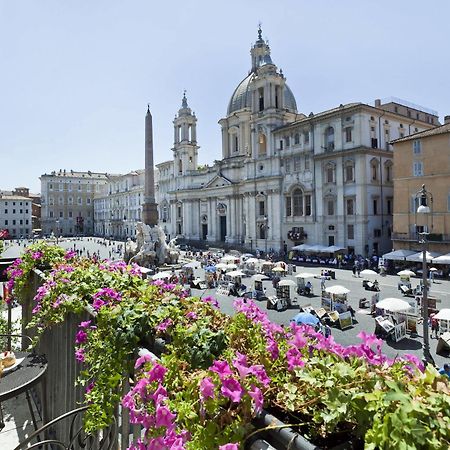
36, 255
212, 301
89, 387
293, 357
157, 372
206, 388
84, 324
164, 417
191, 315
79, 354
142, 360
221, 368
229, 447
70, 254
260, 373
81, 337
258, 399
272, 348
232, 389
98, 303
164, 325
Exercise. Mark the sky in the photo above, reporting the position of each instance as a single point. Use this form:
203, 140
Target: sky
76, 76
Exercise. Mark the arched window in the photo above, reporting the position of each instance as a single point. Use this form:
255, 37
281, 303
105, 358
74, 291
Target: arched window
330, 173
262, 231
180, 166
297, 202
388, 171
374, 169
329, 138
262, 145
296, 138
349, 171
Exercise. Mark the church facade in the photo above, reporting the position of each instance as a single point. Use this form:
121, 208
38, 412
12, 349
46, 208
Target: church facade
286, 178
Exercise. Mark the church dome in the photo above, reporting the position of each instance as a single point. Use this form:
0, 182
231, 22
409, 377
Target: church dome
241, 97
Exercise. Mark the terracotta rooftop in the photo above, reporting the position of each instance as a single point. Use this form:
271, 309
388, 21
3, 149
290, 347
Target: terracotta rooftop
421, 134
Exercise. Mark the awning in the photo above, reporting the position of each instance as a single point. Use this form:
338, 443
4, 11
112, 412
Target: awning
317, 249
443, 259
333, 249
418, 257
398, 255
302, 247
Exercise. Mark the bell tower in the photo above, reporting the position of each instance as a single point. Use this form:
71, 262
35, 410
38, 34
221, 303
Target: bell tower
185, 148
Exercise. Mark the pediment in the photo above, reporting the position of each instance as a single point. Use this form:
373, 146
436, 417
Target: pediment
218, 181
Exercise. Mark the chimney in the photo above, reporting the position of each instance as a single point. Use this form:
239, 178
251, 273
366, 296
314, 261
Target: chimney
377, 103
446, 120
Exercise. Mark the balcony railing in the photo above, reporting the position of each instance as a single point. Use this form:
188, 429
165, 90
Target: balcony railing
414, 237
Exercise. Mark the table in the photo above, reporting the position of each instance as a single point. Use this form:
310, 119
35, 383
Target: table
22, 378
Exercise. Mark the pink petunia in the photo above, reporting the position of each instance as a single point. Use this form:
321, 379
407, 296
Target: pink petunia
206, 388
232, 389
221, 368
229, 447
258, 399
164, 418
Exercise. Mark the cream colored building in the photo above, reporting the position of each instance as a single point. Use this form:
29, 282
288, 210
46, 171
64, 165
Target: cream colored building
286, 178
423, 158
68, 201
119, 207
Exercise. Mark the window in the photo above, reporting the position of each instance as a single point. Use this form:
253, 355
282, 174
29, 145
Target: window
375, 207
306, 138
261, 98
374, 143
329, 173
388, 171
287, 141
417, 168
26, 222
26, 211
287, 165
6, 222
297, 167
61, 187
374, 170
14, 211
88, 201
389, 205
329, 138
20, 222
350, 207
262, 145
350, 231
297, 138
297, 200
79, 187
376, 232
281, 144
307, 162
289, 206
330, 207
60, 201
14, 221
262, 209
51, 214
70, 187
348, 134
80, 201
70, 214
349, 172
70, 200
61, 215
6, 211
417, 147
307, 205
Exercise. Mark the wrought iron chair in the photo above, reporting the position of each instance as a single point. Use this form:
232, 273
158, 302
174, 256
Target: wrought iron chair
75, 439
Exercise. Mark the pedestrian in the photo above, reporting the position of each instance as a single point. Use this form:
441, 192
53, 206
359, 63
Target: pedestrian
322, 282
434, 327
327, 330
445, 370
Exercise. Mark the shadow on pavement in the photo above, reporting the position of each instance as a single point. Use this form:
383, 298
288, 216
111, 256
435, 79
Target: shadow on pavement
405, 344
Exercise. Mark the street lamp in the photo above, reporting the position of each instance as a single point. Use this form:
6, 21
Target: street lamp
424, 223
57, 231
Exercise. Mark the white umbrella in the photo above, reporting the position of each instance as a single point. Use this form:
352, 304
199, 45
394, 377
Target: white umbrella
278, 269
304, 275
287, 283
160, 275
228, 258
333, 249
393, 304
408, 273
192, 265
317, 248
259, 277
302, 247
433, 269
230, 266
418, 257
252, 261
443, 314
337, 289
221, 266
236, 273
368, 273
444, 259
398, 255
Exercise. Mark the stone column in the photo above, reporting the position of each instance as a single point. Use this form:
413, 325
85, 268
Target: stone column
149, 208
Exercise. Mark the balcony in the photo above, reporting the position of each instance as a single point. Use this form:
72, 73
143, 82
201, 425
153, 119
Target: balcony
414, 237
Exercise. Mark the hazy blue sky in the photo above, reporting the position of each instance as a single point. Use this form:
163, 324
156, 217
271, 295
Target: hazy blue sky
76, 76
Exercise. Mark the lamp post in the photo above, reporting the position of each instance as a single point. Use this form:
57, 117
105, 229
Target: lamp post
424, 211
57, 231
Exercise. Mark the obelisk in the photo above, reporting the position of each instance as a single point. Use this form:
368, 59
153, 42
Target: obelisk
149, 207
